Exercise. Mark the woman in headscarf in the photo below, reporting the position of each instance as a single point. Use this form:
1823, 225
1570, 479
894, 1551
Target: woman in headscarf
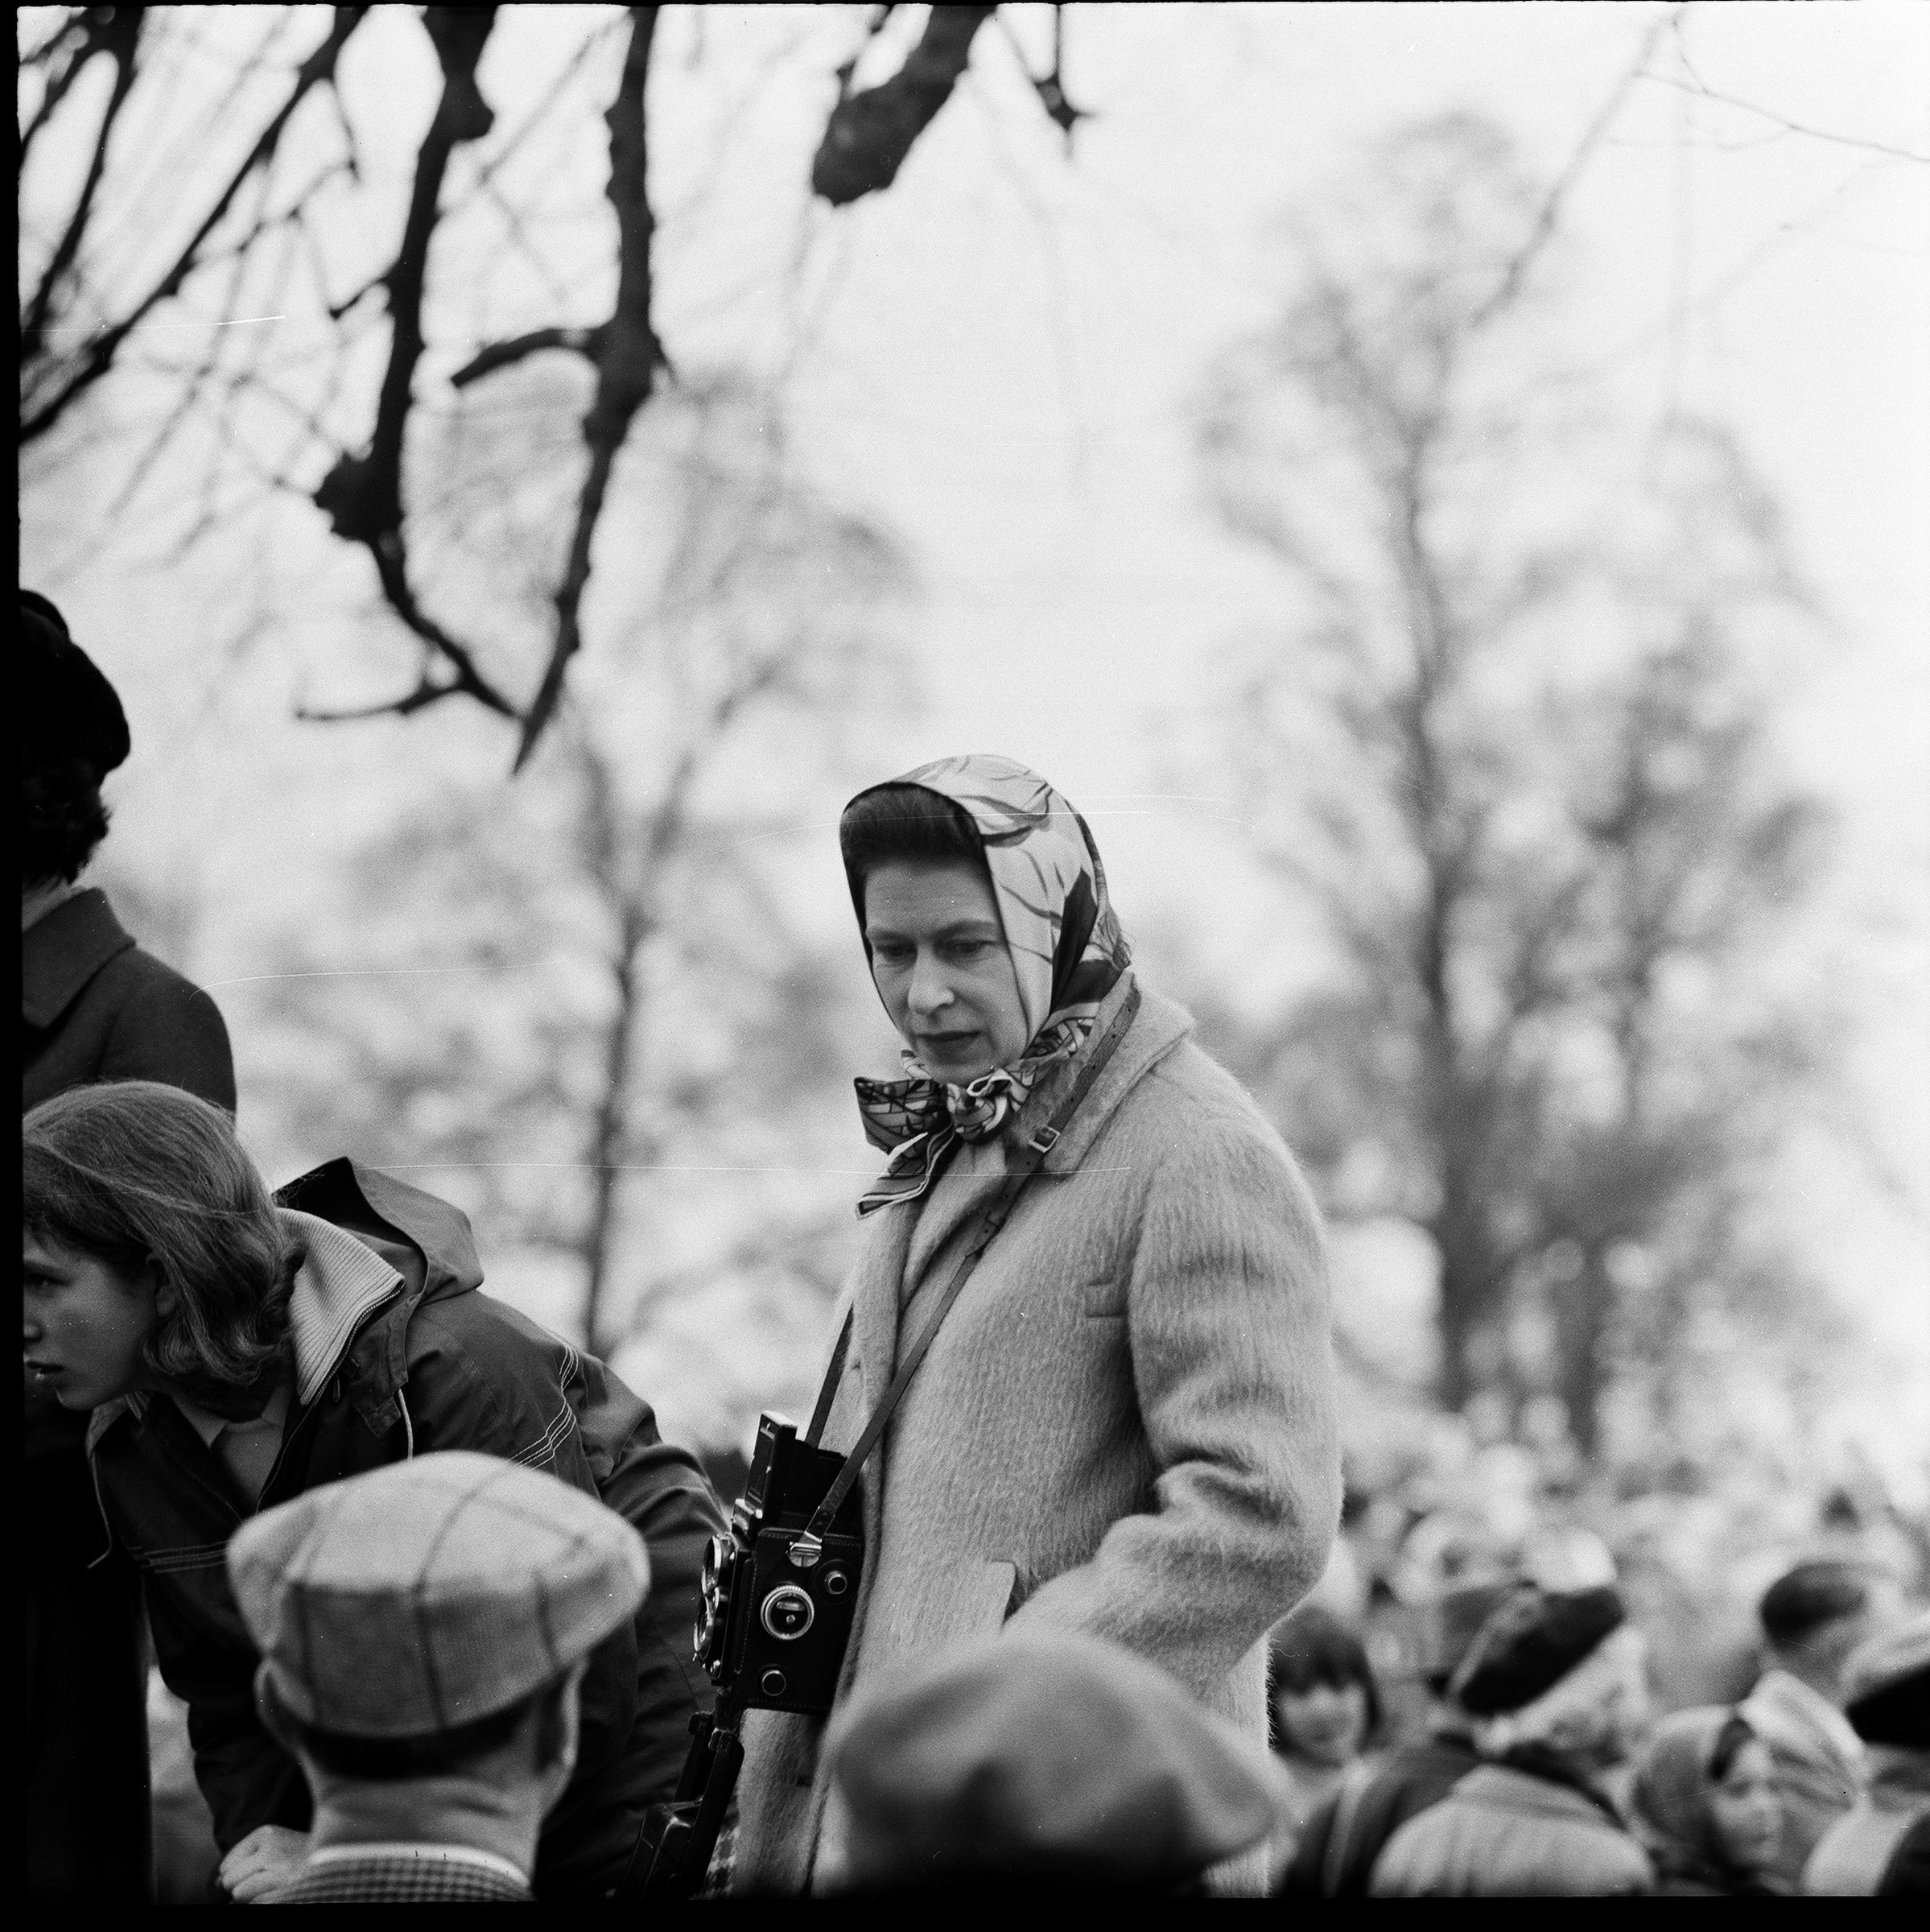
1124, 1426
1705, 1804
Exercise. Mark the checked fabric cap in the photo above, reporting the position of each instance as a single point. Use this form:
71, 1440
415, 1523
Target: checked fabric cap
1055, 1757
421, 1597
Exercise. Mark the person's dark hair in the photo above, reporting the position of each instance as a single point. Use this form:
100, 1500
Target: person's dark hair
1798, 1604
1737, 1731
898, 823
1313, 1646
391, 1760
1897, 1715
62, 818
133, 1173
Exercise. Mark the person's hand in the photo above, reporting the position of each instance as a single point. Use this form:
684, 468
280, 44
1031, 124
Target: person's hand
264, 1862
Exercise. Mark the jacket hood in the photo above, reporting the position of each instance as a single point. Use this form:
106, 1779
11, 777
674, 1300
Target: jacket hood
348, 1325
370, 1203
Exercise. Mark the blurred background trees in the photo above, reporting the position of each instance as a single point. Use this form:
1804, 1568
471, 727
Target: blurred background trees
620, 995
1518, 759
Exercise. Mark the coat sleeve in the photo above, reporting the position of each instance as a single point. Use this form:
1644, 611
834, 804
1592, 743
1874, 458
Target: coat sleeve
471, 1386
1232, 1361
169, 1031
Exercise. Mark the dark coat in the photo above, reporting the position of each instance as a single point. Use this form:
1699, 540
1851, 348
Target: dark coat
93, 1007
1335, 1857
434, 1365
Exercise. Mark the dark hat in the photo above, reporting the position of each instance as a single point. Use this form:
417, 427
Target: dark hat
1530, 1642
70, 714
1887, 1686
1048, 1759
1450, 1621
1803, 1600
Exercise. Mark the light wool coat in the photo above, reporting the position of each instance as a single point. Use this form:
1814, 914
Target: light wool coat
1126, 1426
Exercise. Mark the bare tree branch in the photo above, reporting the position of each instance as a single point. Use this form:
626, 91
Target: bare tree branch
1550, 213
117, 36
501, 355
870, 132
362, 495
627, 353
98, 357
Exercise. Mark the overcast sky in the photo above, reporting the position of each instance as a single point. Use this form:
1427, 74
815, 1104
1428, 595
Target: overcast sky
996, 355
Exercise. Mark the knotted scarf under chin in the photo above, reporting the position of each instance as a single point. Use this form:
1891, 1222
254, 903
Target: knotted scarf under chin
918, 1122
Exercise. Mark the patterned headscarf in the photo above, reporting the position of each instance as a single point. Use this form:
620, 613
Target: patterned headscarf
1067, 952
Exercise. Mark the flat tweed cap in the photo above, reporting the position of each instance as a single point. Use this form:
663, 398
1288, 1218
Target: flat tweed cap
1530, 1643
1049, 1757
69, 713
1887, 1686
421, 1597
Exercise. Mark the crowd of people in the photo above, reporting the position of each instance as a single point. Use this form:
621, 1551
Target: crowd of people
425, 1575
1543, 1768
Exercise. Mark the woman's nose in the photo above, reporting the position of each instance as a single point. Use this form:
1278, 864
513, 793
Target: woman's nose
931, 990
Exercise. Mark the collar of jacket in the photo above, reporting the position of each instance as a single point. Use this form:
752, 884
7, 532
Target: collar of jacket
61, 953
1158, 1027
1514, 1787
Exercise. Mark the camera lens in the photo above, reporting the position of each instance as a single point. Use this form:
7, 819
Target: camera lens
788, 1612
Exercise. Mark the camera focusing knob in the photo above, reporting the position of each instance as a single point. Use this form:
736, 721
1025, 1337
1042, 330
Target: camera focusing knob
788, 1612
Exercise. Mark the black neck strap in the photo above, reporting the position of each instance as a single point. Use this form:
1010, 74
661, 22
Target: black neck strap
989, 1224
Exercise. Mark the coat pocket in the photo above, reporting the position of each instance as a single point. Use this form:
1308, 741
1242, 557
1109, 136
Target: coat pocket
945, 1601
1103, 1301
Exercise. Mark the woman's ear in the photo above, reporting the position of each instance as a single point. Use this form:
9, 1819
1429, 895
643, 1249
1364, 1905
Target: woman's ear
166, 1301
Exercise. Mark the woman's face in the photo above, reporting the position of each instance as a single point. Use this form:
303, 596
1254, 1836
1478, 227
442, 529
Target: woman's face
84, 1322
1326, 1722
939, 959
1746, 1811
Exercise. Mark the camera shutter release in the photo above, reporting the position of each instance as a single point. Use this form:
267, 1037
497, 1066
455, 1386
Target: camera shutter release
788, 1612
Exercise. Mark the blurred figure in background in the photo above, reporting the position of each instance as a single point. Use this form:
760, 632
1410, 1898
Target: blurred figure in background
1812, 1618
1705, 1803
1887, 1686
1041, 1763
1344, 1836
1323, 1709
1555, 1685
93, 1007
424, 1630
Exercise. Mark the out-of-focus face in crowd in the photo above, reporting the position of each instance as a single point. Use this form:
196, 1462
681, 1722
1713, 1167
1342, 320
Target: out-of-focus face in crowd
1746, 1811
1326, 1722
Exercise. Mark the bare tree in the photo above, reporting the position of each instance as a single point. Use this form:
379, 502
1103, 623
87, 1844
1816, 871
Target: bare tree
119, 226
1516, 754
615, 892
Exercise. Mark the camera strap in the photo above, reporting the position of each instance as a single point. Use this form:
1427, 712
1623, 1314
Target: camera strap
995, 1217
